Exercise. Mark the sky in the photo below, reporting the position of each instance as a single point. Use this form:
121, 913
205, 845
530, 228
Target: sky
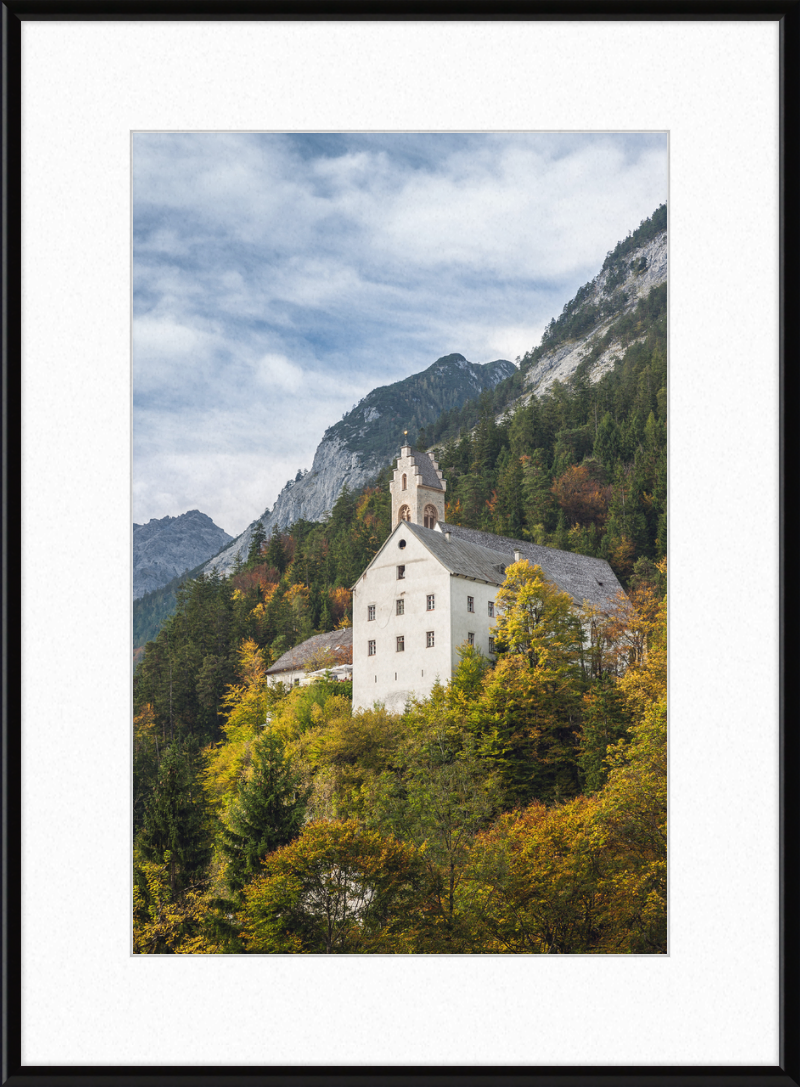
279, 278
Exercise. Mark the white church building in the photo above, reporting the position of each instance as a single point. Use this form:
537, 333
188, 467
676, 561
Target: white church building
432, 586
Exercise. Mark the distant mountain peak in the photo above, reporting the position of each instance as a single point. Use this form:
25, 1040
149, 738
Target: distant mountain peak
168, 546
369, 437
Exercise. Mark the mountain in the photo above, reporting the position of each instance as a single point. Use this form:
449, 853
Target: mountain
607, 315
594, 327
367, 438
166, 547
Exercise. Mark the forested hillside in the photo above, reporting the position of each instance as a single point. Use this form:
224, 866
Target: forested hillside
582, 468
520, 809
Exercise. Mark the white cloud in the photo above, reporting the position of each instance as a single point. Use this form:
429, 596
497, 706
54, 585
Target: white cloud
277, 373
278, 279
165, 338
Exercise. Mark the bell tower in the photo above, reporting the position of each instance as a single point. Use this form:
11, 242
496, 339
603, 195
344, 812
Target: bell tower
417, 489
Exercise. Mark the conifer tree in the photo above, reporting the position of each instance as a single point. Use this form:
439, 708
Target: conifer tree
607, 442
267, 812
257, 542
276, 555
175, 820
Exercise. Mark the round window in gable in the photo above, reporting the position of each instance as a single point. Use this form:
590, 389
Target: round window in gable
401, 543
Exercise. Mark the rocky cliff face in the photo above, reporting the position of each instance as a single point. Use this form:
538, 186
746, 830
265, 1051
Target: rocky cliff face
356, 448
166, 547
613, 294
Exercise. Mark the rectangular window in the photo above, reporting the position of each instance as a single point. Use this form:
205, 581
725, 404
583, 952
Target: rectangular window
491, 609
401, 572
370, 649
491, 645
470, 603
429, 639
297, 682
431, 601
400, 607
401, 645
470, 639
370, 613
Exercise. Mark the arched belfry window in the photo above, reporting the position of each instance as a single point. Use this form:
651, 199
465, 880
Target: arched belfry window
405, 481
404, 513
430, 517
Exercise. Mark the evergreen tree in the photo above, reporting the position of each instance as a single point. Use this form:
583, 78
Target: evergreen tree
257, 542
276, 554
175, 818
510, 504
607, 443
267, 812
536, 489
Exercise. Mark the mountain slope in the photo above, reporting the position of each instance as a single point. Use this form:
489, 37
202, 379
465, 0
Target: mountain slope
595, 328
166, 547
356, 448
603, 306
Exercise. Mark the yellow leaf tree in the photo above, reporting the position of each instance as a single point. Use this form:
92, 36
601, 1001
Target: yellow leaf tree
247, 704
528, 711
338, 889
537, 620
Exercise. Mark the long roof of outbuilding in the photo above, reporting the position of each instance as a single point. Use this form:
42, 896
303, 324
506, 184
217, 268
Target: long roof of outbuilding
483, 556
339, 642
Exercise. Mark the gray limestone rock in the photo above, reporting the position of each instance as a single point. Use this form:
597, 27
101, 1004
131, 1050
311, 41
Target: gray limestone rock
646, 269
168, 546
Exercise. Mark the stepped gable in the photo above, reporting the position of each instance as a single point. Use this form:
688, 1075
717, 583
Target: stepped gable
427, 471
583, 577
338, 642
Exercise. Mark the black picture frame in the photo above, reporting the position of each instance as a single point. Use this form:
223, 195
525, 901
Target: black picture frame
14, 12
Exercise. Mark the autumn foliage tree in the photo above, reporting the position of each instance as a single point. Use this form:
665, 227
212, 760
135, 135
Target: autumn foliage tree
583, 498
537, 621
527, 714
247, 704
338, 889
588, 876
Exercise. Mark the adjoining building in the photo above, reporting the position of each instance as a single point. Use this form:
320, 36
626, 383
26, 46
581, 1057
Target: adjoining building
330, 652
432, 586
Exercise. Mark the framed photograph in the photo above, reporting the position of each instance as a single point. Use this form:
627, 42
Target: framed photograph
112, 114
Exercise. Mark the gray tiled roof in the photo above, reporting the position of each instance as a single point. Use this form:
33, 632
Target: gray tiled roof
339, 642
463, 557
427, 473
471, 553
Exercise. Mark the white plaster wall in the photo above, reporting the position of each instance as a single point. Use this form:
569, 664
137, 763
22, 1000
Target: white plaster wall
417, 667
288, 677
463, 621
